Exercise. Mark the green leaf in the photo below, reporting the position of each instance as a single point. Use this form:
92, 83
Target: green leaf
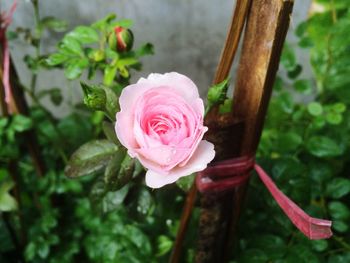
43, 250
226, 107
322, 146
186, 182
334, 118
145, 203
253, 256
112, 177
319, 245
102, 23
144, 50
21, 123
98, 192
110, 133
306, 42
31, 62
11, 35
90, 157
339, 258
138, 238
84, 34
314, 108
127, 61
56, 59
54, 24
288, 58
286, 102
109, 74
55, 95
71, 45
338, 187
301, 29
7, 202
74, 67
339, 107
303, 86
217, 94
114, 199
112, 103
30, 251
338, 210
164, 245
126, 23
288, 141
124, 175
295, 72
340, 225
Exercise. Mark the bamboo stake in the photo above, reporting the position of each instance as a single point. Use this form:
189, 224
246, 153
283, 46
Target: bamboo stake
264, 37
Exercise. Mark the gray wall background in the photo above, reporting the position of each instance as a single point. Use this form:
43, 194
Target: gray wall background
187, 34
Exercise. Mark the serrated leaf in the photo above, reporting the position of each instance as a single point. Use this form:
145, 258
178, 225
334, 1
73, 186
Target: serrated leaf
84, 34
90, 157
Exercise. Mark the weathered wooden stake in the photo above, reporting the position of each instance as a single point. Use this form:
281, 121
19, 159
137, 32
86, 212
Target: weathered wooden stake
265, 33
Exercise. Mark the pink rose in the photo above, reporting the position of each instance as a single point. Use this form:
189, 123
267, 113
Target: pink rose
161, 124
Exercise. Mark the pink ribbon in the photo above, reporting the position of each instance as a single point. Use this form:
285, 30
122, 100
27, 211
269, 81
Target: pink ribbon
5, 22
233, 172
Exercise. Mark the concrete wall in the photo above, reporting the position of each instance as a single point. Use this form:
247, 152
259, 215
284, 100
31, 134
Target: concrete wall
187, 34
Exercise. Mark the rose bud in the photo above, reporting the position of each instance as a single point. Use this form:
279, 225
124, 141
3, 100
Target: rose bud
121, 39
94, 97
161, 124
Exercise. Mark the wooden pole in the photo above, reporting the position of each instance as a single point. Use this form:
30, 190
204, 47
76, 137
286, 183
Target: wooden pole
265, 33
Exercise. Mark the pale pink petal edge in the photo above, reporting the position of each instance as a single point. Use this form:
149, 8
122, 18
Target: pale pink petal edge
203, 155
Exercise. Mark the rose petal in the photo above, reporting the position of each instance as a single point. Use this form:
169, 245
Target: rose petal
202, 156
178, 82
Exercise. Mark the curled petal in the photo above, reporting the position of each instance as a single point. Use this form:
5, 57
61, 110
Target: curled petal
203, 155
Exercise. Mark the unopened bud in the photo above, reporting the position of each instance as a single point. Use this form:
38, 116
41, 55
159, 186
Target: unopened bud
121, 39
94, 97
